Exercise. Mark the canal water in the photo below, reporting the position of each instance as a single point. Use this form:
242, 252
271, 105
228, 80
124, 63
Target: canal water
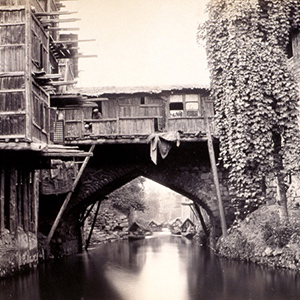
160, 267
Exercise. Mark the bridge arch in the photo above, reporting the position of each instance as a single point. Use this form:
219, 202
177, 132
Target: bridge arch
186, 170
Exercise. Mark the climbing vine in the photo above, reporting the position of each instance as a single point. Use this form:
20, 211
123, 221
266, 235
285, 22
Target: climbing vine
255, 93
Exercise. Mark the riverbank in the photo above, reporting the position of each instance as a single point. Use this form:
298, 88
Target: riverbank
262, 239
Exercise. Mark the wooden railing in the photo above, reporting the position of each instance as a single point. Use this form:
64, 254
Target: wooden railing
130, 126
113, 126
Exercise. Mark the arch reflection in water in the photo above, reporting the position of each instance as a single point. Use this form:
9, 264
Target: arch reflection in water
162, 275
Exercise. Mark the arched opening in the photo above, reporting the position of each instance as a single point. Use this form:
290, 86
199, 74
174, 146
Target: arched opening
149, 205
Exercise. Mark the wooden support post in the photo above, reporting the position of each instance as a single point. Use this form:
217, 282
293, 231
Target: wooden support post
87, 214
198, 211
19, 198
93, 225
13, 218
36, 185
2, 199
26, 200
68, 197
28, 78
215, 173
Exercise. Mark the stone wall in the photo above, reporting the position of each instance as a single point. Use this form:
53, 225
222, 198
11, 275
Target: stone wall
111, 225
17, 253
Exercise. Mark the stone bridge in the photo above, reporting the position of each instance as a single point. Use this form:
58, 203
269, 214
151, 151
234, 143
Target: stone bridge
186, 170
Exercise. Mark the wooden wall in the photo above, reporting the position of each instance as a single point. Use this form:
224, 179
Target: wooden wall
192, 124
12, 70
18, 200
24, 106
41, 114
135, 115
12, 40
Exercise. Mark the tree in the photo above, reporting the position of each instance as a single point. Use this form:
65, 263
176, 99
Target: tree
129, 197
255, 94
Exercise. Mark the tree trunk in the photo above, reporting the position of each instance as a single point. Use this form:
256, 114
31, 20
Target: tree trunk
278, 164
282, 197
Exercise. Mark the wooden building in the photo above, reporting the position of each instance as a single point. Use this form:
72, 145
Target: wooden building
132, 116
35, 61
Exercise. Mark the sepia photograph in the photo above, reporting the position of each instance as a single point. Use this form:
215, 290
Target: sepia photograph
149, 150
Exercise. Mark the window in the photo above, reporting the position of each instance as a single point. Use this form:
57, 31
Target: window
176, 106
192, 105
142, 100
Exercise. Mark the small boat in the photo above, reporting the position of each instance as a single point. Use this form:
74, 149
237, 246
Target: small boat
188, 229
134, 236
176, 231
188, 234
136, 232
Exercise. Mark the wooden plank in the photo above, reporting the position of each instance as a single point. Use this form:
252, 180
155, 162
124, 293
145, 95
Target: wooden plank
30, 201
13, 113
72, 41
11, 24
45, 21
19, 198
63, 29
12, 91
28, 79
12, 74
54, 13
61, 154
58, 83
12, 202
215, 174
35, 201
2, 199
26, 200
12, 45
68, 197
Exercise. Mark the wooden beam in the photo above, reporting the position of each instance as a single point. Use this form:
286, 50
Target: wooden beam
12, 201
35, 206
93, 225
28, 66
60, 28
85, 56
64, 154
25, 199
72, 41
57, 83
54, 13
47, 76
68, 197
198, 212
87, 214
12, 74
2, 199
215, 174
57, 20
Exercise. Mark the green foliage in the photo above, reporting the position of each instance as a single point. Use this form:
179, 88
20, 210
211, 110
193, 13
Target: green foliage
129, 197
254, 91
277, 235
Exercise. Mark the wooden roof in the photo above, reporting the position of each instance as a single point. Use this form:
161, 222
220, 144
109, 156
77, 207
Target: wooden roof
45, 150
97, 91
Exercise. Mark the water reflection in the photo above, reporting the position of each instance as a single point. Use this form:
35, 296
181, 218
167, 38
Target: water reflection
162, 267
162, 276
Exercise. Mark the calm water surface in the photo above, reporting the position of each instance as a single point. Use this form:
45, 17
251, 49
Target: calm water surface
162, 267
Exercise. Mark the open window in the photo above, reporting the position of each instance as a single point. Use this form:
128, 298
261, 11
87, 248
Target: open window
176, 106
